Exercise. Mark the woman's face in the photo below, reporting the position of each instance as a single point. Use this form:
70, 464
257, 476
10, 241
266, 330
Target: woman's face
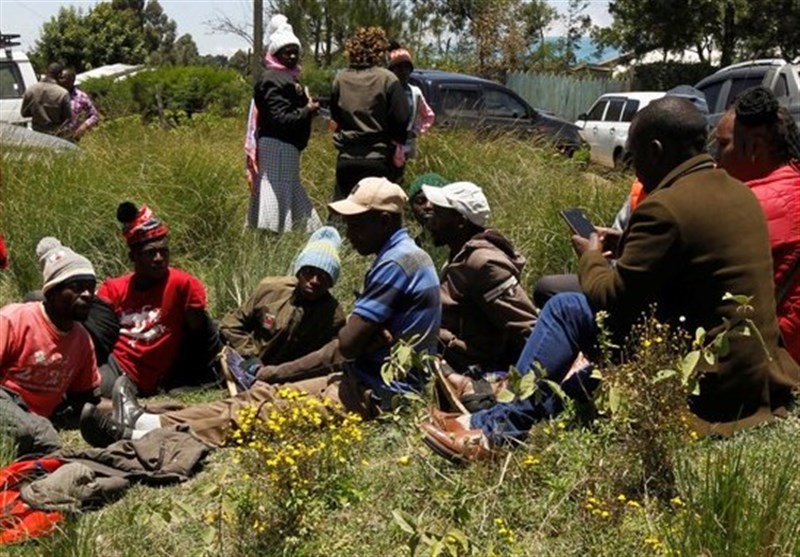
289, 56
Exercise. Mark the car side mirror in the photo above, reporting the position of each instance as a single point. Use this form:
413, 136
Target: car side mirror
583, 116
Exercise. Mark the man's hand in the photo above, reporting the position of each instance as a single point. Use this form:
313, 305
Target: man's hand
581, 245
610, 238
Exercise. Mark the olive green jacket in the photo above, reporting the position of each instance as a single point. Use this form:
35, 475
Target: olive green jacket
277, 327
698, 235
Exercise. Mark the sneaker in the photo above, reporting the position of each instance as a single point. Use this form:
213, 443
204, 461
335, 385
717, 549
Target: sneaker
237, 372
125, 408
99, 429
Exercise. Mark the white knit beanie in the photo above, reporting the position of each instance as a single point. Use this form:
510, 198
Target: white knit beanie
60, 264
280, 34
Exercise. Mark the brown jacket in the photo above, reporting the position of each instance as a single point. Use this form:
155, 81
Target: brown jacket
486, 314
698, 235
47, 104
277, 327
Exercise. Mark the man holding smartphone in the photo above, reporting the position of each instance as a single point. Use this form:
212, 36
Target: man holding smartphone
673, 254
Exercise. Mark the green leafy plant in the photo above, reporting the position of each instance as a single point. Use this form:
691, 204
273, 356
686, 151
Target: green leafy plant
424, 542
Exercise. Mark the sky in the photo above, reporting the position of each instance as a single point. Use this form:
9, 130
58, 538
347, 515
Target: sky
26, 17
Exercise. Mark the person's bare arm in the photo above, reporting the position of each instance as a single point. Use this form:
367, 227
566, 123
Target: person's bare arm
358, 335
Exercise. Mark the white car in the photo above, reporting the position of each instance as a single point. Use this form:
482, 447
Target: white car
16, 74
605, 126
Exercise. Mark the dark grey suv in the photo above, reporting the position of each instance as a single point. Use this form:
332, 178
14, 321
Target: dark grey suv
465, 100
723, 87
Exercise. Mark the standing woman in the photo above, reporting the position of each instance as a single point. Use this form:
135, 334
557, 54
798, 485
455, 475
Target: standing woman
371, 113
281, 121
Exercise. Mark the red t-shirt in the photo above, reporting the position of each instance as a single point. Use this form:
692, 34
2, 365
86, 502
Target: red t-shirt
41, 363
151, 323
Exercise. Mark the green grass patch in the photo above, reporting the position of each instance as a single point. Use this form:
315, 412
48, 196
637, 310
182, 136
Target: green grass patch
569, 491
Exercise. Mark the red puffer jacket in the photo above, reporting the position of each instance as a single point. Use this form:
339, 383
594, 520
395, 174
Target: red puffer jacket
3, 254
779, 195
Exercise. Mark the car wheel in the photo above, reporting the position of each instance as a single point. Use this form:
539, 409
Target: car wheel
622, 160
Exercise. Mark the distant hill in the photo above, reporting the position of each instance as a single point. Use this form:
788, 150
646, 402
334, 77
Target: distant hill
587, 50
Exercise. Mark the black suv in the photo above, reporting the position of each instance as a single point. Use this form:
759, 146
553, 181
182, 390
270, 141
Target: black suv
465, 100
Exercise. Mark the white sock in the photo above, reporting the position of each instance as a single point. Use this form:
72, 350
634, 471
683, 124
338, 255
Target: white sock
138, 434
147, 422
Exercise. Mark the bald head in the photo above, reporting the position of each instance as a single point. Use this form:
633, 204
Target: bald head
666, 133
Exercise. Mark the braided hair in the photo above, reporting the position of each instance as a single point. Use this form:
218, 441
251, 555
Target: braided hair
758, 107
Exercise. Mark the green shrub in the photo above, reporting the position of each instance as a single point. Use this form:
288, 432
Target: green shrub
660, 76
171, 93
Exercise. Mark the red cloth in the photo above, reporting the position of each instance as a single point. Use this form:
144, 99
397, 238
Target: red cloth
151, 323
779, 195
40, 363
3, 254
18, 521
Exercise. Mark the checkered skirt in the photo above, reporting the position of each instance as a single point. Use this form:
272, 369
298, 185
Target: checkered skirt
278, 201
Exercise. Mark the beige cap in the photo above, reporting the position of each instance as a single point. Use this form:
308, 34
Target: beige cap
372, 194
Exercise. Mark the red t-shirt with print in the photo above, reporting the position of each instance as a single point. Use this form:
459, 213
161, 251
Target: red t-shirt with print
41, 363
151, 323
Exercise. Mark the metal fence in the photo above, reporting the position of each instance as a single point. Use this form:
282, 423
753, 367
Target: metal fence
564, 95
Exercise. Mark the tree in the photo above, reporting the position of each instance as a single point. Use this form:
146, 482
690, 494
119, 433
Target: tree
737, 29
500, 35
578, 24
323, 25
159, 30
126, 31
185, 53
62, 39
240, 61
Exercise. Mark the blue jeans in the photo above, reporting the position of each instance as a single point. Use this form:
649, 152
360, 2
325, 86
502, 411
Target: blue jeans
565, 327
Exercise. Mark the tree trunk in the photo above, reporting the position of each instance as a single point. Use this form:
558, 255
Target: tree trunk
258, 39
728, 34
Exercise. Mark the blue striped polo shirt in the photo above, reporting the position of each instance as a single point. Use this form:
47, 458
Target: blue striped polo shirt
401, 292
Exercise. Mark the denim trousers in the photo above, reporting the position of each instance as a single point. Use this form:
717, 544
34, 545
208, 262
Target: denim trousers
565, 327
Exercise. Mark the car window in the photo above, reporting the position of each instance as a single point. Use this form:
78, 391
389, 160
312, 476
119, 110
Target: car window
614, 110
10, 81
712, 94
460, 100
501, 104
596, 113
782, 86
630, 110
739, 86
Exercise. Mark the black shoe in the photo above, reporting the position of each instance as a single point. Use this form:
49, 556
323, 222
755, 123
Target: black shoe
99, 429
125, 408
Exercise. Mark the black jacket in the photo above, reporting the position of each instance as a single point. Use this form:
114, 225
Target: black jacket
282, 112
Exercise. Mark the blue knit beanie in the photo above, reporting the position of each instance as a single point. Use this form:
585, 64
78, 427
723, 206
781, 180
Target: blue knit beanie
321, 252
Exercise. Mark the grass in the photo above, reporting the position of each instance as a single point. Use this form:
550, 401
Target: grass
568, 491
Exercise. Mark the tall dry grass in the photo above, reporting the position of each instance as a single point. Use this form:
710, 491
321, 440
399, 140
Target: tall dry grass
193, 178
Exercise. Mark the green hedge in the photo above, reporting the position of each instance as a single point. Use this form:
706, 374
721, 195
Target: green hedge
661, 76
172, 94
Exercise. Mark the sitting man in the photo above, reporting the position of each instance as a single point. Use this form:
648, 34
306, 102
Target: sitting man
45, 353
288, 317
698, 235
421, 208
400, 301
166, 338
486, 314
758, 143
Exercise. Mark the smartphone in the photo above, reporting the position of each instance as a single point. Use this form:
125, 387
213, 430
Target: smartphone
578, 222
